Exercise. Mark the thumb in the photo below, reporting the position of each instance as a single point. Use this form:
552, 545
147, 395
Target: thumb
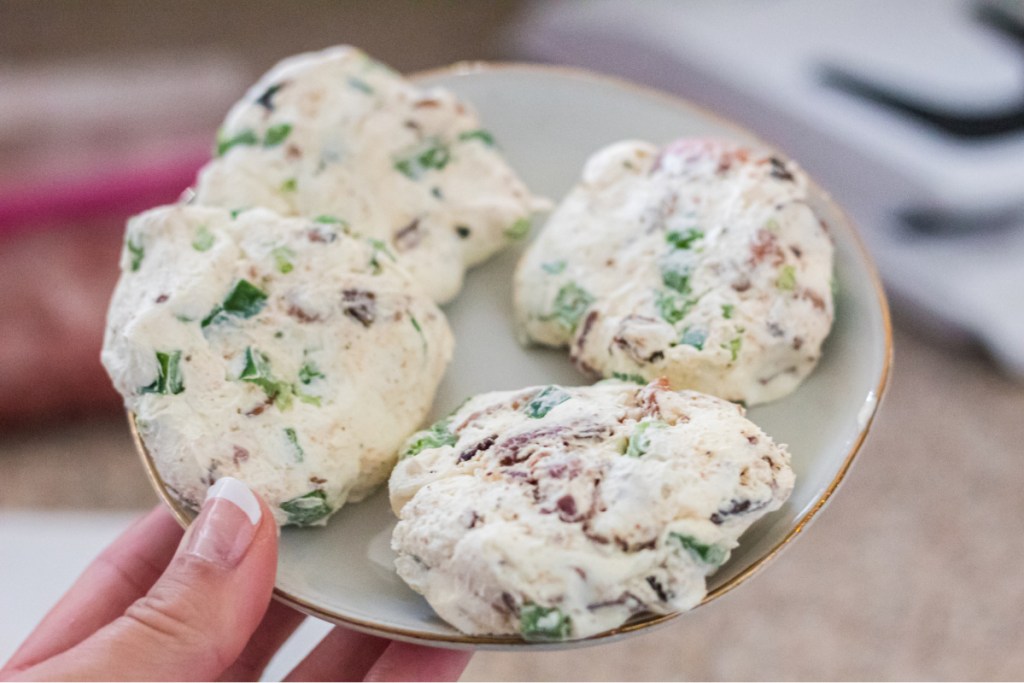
197, 618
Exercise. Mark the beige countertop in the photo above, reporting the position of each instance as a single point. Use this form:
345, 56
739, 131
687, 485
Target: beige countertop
913, 570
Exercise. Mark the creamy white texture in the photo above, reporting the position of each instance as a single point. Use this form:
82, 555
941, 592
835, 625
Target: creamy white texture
337, 133
280, 351
701, 262
560, 512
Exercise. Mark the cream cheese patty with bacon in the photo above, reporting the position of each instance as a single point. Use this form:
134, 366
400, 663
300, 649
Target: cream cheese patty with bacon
336, 133
560, 512
281, 351
701, 262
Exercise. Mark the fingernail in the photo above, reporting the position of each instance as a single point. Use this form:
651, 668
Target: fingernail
226, 524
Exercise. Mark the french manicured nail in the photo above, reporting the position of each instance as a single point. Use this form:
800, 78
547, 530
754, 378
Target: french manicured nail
226, 524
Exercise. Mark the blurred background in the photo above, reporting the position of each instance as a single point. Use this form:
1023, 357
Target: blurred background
911, 112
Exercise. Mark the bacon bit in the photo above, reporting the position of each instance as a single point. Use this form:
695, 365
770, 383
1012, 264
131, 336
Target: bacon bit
317, 480
752, 439
813, 297
409, 236
775, 330
302, 316
509, 449
779, 170
649, 397
292, 152
319, 236
510, 602
162, 298
765, 245
428, 103
596, 538
797, 343
239, 455
737, 507
475, 519
797, 251
823, 224
580, 571
658, 589
742, 284
360, 305
478, 447
566, 508
412, 125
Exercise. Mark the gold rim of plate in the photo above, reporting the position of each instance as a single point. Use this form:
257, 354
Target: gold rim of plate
185, 516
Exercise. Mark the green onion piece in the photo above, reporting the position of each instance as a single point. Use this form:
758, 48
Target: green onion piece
276, 134
290, 185
437, 436
708, 554
676, 276
629, 377
787, 278
727, 310
640, 440
518, 230
360, 85
543, 623
694, 337
245, 300
257, 371
684, 239
431, 155
327, 219
283, 259
553, 267
203, 239
168, 379
307, 509
734, 346
309, 371
294, 439
137, 252
545, 400
673, 307
246, 137
571, 302
479, 134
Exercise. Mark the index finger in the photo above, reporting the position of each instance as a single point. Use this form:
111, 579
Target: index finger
121, 574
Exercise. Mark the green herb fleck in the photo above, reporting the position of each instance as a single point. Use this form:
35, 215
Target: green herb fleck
307, 509
553, 267
676, 276
640, 440
571, 302
257, 371
727, 310
694, 337
235, 213
309, 372
290, 185
360, 85
629, 377
379, 247
203, 239
543, 623
328, 220
244, 301
437, 436
545, 400
168, 379
734, 346
479, 134
294, 439
709, 554
684, 239
283, 259
518, 230
431, 155
673, 307
787, 278
276, 134
246, 137
137, 252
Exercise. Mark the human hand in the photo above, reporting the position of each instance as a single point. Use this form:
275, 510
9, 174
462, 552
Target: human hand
157, 605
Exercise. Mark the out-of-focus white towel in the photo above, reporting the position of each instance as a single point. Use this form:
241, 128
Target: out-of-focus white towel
762, 64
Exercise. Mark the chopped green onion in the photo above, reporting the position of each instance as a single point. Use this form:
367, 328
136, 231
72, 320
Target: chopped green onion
294, 439
431, 155
257, 371
708, 554
553, 267
283, 259
673, 307
727, 310
307, 509
640, 440
290, 185
479, 134
246, 137
543, 623
694, 337
676, 276
168, 379
571, 302
309, 371
437, 436
545, 400
137, 252
203, 239
360, 85
684, 239
629, 377
276, 134
518, 230
787, 278
734, 346
244, 301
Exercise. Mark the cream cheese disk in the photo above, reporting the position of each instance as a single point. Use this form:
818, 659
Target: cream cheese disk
280, 351
337, 133
558, 513
701, 262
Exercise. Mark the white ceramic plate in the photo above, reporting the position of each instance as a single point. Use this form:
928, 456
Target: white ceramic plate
548, 121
